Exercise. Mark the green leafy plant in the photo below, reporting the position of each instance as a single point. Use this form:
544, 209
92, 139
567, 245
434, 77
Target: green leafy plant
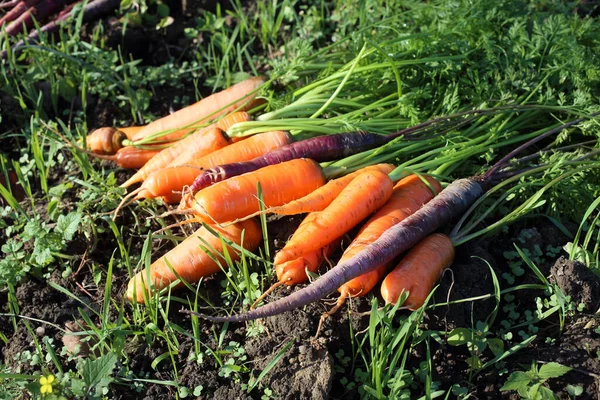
530, 384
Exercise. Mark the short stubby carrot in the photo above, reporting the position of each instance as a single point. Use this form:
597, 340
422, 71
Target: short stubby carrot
105, 140
200, 255
418, 271
364, 195
237, 197
410, 194
181, 122
323, 196
202, 142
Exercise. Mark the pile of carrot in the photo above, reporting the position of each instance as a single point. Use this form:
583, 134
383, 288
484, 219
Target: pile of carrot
224, 184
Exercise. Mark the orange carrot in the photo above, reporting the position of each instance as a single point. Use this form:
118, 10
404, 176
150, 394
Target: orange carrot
109, 140
166, 180
228, 121
237, 198
198, 256
365, 194
132, 157
323, 196
130, 130
418, 271
201, 142
296, 271
181, 122
409, 195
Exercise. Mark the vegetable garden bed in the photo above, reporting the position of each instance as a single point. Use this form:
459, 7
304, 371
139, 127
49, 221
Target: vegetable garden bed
517, 313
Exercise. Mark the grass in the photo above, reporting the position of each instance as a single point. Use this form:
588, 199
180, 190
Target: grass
371, 66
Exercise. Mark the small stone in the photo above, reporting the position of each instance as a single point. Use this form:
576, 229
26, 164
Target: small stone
40, 331
302, 349
292, 360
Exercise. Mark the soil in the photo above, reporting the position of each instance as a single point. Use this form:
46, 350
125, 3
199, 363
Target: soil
310, 368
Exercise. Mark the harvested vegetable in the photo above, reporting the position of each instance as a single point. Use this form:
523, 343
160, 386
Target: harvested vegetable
164, 181
323, 196
320, 149
237, 197
452, 202
363, 196
200, 255
180, 123
418, 271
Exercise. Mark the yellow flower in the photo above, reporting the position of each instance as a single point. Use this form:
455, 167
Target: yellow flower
46, 382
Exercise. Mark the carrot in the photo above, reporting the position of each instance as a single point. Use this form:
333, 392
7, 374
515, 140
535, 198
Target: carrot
320, 149
296, 271
202, 142
129, 131
228, 121
180, 122
410, 194
200, 255
237, 198
174, 178
16, 12
198, 144
131, 157
418, 271
323, 196
92, 10
41, 10
452, 202
365, 194
105, 140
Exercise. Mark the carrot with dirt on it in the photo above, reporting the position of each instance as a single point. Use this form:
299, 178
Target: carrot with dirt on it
200, 255
108, 140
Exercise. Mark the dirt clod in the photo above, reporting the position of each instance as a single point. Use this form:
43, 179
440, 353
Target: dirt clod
577, 281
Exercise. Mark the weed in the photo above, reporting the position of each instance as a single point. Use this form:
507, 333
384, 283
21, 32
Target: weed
529, 384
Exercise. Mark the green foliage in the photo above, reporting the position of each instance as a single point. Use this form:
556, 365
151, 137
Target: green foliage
529, 384
37, 247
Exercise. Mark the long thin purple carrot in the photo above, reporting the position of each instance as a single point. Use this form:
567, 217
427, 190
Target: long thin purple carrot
449, 204
334, 147
320, 149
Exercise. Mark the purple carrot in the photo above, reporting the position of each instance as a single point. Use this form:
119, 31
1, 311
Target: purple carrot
334, 147
449, 204
452, 202
320, 149
8, 4
93, 10
41, 11
13, 14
